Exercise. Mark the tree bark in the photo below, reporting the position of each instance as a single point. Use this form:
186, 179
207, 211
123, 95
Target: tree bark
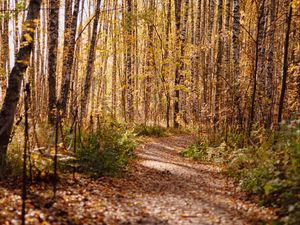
69, 46
4, 51
219, 63
90, 64
165, 66
270, 67
258, 43
129, 70
52, 57
150, 65
236, 95
209, 59
12, 96
178, 61
114, 65
285, 62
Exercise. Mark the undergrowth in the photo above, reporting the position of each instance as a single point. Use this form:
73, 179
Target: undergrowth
105, 152
152, 131
270, 168
196, 151
157, 131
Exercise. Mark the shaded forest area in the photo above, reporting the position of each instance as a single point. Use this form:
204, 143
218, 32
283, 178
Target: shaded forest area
84, 82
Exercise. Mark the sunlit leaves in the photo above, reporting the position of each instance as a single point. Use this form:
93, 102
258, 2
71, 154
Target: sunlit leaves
28, 38
24, 62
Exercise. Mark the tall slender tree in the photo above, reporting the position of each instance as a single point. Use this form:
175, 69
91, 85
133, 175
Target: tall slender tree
129, 69
285, 60
52, 57
178, 61
90, 63
12, 96
219, 63
69, 47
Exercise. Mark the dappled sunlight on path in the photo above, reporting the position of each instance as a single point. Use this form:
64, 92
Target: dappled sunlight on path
189, 192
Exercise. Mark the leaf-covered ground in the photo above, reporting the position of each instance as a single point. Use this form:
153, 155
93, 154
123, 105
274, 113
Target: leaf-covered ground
160, 187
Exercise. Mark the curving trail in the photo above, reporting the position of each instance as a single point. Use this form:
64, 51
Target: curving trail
170, 189
160, 188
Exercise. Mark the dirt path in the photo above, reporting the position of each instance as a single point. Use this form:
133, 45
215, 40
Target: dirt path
160, 188
174, 190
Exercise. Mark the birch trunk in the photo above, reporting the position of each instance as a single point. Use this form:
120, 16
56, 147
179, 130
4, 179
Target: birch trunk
52, 57
69, 47
90, 64
12, 96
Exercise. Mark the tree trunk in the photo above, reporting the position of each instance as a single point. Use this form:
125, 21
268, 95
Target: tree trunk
129, 70
285, 62
195, 60
258, 43
183, 64
270, 68
178, 60
12, 96
219, 63
90, 64
151, 68
52, 57
114, 66
165, 64
209, 53
236, 95
69, 46
202, 55
4, 56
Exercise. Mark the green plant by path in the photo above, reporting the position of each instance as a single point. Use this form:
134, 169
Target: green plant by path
152, 131
270, 168
105, 152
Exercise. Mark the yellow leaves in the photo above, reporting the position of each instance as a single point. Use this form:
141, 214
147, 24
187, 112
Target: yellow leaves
29, 29
180, 87
52, 151
28, 37
30, 26
61, 145
296, 4
24, 62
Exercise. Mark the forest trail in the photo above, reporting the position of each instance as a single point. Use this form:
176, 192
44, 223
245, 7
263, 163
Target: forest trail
175, 190
160, 187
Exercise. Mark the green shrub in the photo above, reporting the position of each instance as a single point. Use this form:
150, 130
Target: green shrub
152, 131
272, 171
14, 164
269, 168
201, 151
195, 152
105, 152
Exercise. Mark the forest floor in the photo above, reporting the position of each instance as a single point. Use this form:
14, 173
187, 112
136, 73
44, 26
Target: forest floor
160, 187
